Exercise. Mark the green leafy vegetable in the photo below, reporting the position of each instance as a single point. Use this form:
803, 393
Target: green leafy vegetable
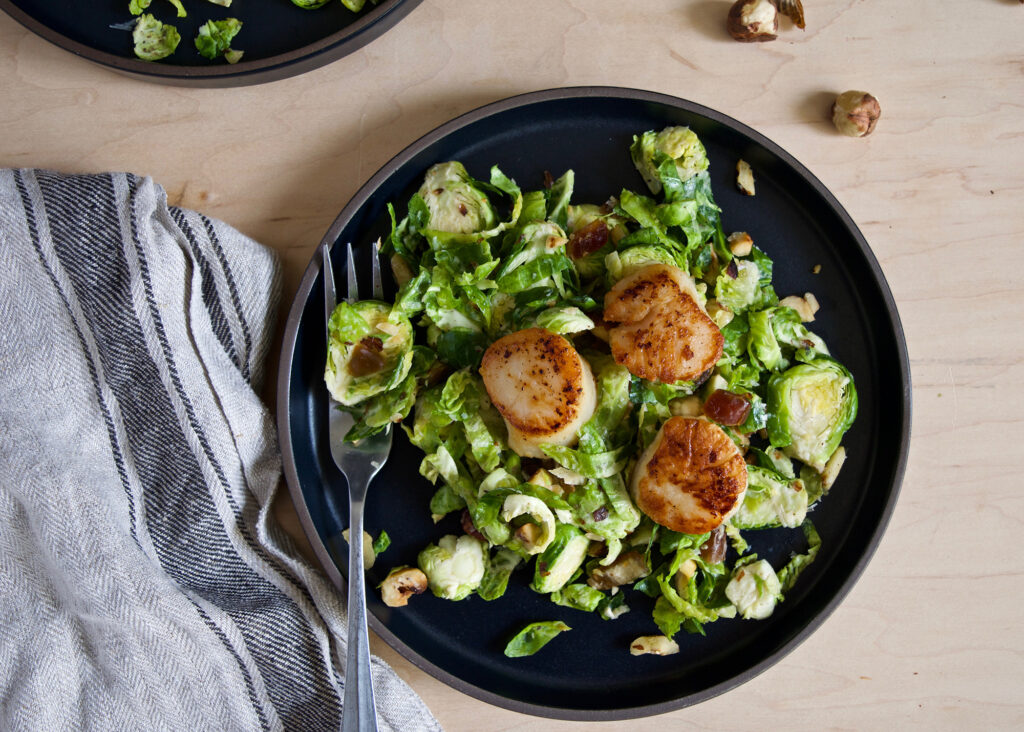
534, 637
560, 560
454, 566
790, 332
455, 203
589, 465
136, 7
215, 36
557, 199
579, 597
496, 576
622, 263
381, 543
678, 145
799, 562
771, 500
811, 405
154, 40
754, 589
368, 353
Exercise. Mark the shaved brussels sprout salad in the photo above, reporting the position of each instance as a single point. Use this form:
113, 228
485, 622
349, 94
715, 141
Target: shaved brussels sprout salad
477, 261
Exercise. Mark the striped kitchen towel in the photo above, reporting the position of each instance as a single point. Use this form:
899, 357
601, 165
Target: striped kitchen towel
143, 582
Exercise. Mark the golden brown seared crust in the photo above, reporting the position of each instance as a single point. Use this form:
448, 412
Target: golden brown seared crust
691, 478
537, 381
659, 332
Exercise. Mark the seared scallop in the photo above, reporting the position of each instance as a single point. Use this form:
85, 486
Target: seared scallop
658, 330
541, 386
691, 478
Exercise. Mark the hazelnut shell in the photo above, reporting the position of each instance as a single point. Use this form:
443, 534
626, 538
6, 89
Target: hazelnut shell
855, 113
748, 33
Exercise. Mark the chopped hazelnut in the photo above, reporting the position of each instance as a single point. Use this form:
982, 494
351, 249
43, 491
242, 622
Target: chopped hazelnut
855, 113
685, 406
832, 468
402, 584
805, 306
657, 645
400, 269
745, 177
719, 313
368, 555
740, 243
626, 569
753, 20
568, 477
528, 534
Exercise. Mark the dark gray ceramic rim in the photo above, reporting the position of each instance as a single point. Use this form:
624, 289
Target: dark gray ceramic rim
349, 39
313, 271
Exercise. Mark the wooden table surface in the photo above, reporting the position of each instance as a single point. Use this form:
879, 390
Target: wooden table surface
931, 635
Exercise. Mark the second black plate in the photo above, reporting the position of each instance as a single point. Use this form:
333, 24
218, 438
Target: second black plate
588, 673
279, 39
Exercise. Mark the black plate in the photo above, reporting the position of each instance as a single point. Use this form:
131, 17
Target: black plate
279, 39
588, 673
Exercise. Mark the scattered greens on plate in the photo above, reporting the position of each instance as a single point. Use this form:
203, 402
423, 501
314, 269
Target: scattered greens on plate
608, 395
155, 40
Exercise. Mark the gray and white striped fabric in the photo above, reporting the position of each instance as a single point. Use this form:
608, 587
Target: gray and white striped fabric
143, 583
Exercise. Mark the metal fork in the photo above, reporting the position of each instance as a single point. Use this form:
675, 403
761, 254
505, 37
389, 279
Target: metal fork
359, 461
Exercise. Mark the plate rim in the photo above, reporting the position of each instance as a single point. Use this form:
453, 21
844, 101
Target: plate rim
364, 194
366, 28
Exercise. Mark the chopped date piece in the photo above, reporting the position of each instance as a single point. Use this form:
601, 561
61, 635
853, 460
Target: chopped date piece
367, 357
713, 550
727, 408
588, 239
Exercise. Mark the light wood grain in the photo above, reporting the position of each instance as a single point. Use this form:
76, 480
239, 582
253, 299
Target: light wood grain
931, 635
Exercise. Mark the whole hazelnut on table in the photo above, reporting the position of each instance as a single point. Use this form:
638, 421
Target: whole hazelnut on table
855, 113
753, 20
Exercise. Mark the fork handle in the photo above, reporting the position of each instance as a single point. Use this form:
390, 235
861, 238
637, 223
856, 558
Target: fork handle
358, 711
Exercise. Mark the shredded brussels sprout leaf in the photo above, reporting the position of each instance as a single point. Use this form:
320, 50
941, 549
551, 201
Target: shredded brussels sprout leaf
534, 637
